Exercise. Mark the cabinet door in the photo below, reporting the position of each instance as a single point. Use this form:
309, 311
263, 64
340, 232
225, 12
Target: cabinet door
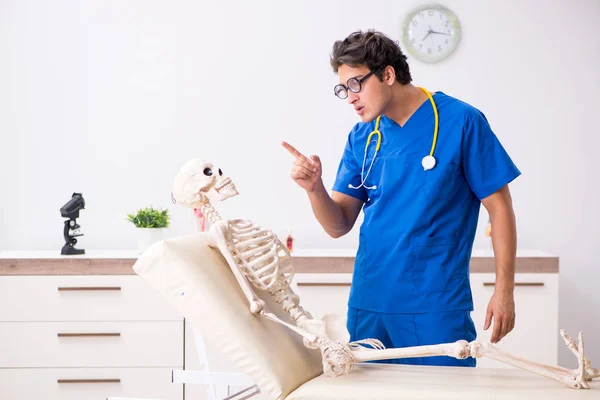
88, 384
536, 333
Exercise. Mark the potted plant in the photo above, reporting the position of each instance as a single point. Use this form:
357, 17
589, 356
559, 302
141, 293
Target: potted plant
150, 224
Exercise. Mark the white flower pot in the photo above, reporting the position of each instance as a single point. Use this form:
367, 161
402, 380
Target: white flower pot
147, 237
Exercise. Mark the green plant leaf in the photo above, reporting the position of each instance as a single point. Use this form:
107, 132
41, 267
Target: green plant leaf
149, 217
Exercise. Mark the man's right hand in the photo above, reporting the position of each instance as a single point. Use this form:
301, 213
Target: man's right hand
306, 172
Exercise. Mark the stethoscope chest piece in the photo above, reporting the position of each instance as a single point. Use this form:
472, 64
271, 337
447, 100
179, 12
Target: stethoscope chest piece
428, 162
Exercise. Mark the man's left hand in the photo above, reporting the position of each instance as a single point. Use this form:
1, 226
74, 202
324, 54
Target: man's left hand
502, 309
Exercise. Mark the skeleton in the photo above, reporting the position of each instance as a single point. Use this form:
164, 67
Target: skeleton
258, 259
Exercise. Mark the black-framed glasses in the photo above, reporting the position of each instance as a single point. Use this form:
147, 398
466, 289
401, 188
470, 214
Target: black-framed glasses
353, 84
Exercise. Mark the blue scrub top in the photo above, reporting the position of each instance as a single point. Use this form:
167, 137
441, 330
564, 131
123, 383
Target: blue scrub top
418, 228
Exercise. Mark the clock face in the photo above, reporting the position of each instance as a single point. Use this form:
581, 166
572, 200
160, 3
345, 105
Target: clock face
431, 33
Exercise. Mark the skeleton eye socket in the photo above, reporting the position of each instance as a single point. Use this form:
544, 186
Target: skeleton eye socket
220, 172
208, 171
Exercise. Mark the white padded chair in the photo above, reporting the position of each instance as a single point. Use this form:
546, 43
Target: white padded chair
198, 282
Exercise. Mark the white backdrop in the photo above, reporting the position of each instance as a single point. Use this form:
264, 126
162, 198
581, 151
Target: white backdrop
110, 98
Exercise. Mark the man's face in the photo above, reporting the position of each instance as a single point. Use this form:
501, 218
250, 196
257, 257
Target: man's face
369, 101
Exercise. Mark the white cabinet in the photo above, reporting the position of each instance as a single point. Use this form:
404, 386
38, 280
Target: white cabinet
536, 333
87, 338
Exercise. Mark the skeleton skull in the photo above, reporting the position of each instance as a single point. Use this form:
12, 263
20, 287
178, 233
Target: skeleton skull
199, 182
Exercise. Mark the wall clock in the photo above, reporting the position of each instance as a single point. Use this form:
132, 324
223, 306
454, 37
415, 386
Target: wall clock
431, 33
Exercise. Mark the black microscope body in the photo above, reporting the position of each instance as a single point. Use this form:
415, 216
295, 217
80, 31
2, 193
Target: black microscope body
71, 228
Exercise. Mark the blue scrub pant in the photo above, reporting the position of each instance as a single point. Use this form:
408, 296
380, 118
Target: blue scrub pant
406, 330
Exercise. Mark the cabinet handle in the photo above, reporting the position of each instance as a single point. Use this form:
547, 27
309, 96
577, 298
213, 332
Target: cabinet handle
323, 284
87, 334
517, 284
88, 381
94, 288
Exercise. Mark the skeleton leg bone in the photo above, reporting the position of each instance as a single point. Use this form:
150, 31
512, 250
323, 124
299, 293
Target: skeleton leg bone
576, 379
459, 349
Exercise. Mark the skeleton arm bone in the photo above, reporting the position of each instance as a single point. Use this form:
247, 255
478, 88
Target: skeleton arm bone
218, 233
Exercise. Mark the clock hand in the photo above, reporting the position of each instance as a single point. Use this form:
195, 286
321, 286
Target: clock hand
439, 33
428, 33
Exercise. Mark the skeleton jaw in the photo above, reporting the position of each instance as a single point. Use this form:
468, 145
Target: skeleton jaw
221, 190
225, 187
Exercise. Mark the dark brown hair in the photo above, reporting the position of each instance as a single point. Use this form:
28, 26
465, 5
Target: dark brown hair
372, 49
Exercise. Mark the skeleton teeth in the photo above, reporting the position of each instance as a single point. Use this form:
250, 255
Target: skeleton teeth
225, 187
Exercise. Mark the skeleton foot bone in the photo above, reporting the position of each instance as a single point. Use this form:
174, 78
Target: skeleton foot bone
585, 366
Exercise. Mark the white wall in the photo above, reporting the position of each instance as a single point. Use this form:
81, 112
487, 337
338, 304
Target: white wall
110, 98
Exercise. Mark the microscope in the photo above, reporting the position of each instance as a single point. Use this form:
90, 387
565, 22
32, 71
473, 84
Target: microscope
71, 229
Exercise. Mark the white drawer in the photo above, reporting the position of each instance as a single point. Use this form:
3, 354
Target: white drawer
82, 298
536, 333
88, 384
91, 344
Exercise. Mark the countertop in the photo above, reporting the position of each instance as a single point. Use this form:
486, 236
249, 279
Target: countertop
133, 254
120, 262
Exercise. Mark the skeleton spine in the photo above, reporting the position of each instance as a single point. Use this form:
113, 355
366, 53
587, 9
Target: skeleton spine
209, 211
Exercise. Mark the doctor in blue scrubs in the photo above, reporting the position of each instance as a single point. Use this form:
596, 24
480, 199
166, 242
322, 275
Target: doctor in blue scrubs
410, 284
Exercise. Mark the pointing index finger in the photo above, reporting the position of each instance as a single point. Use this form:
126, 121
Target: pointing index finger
293, 151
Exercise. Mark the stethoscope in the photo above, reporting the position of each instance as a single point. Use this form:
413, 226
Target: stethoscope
428, 162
